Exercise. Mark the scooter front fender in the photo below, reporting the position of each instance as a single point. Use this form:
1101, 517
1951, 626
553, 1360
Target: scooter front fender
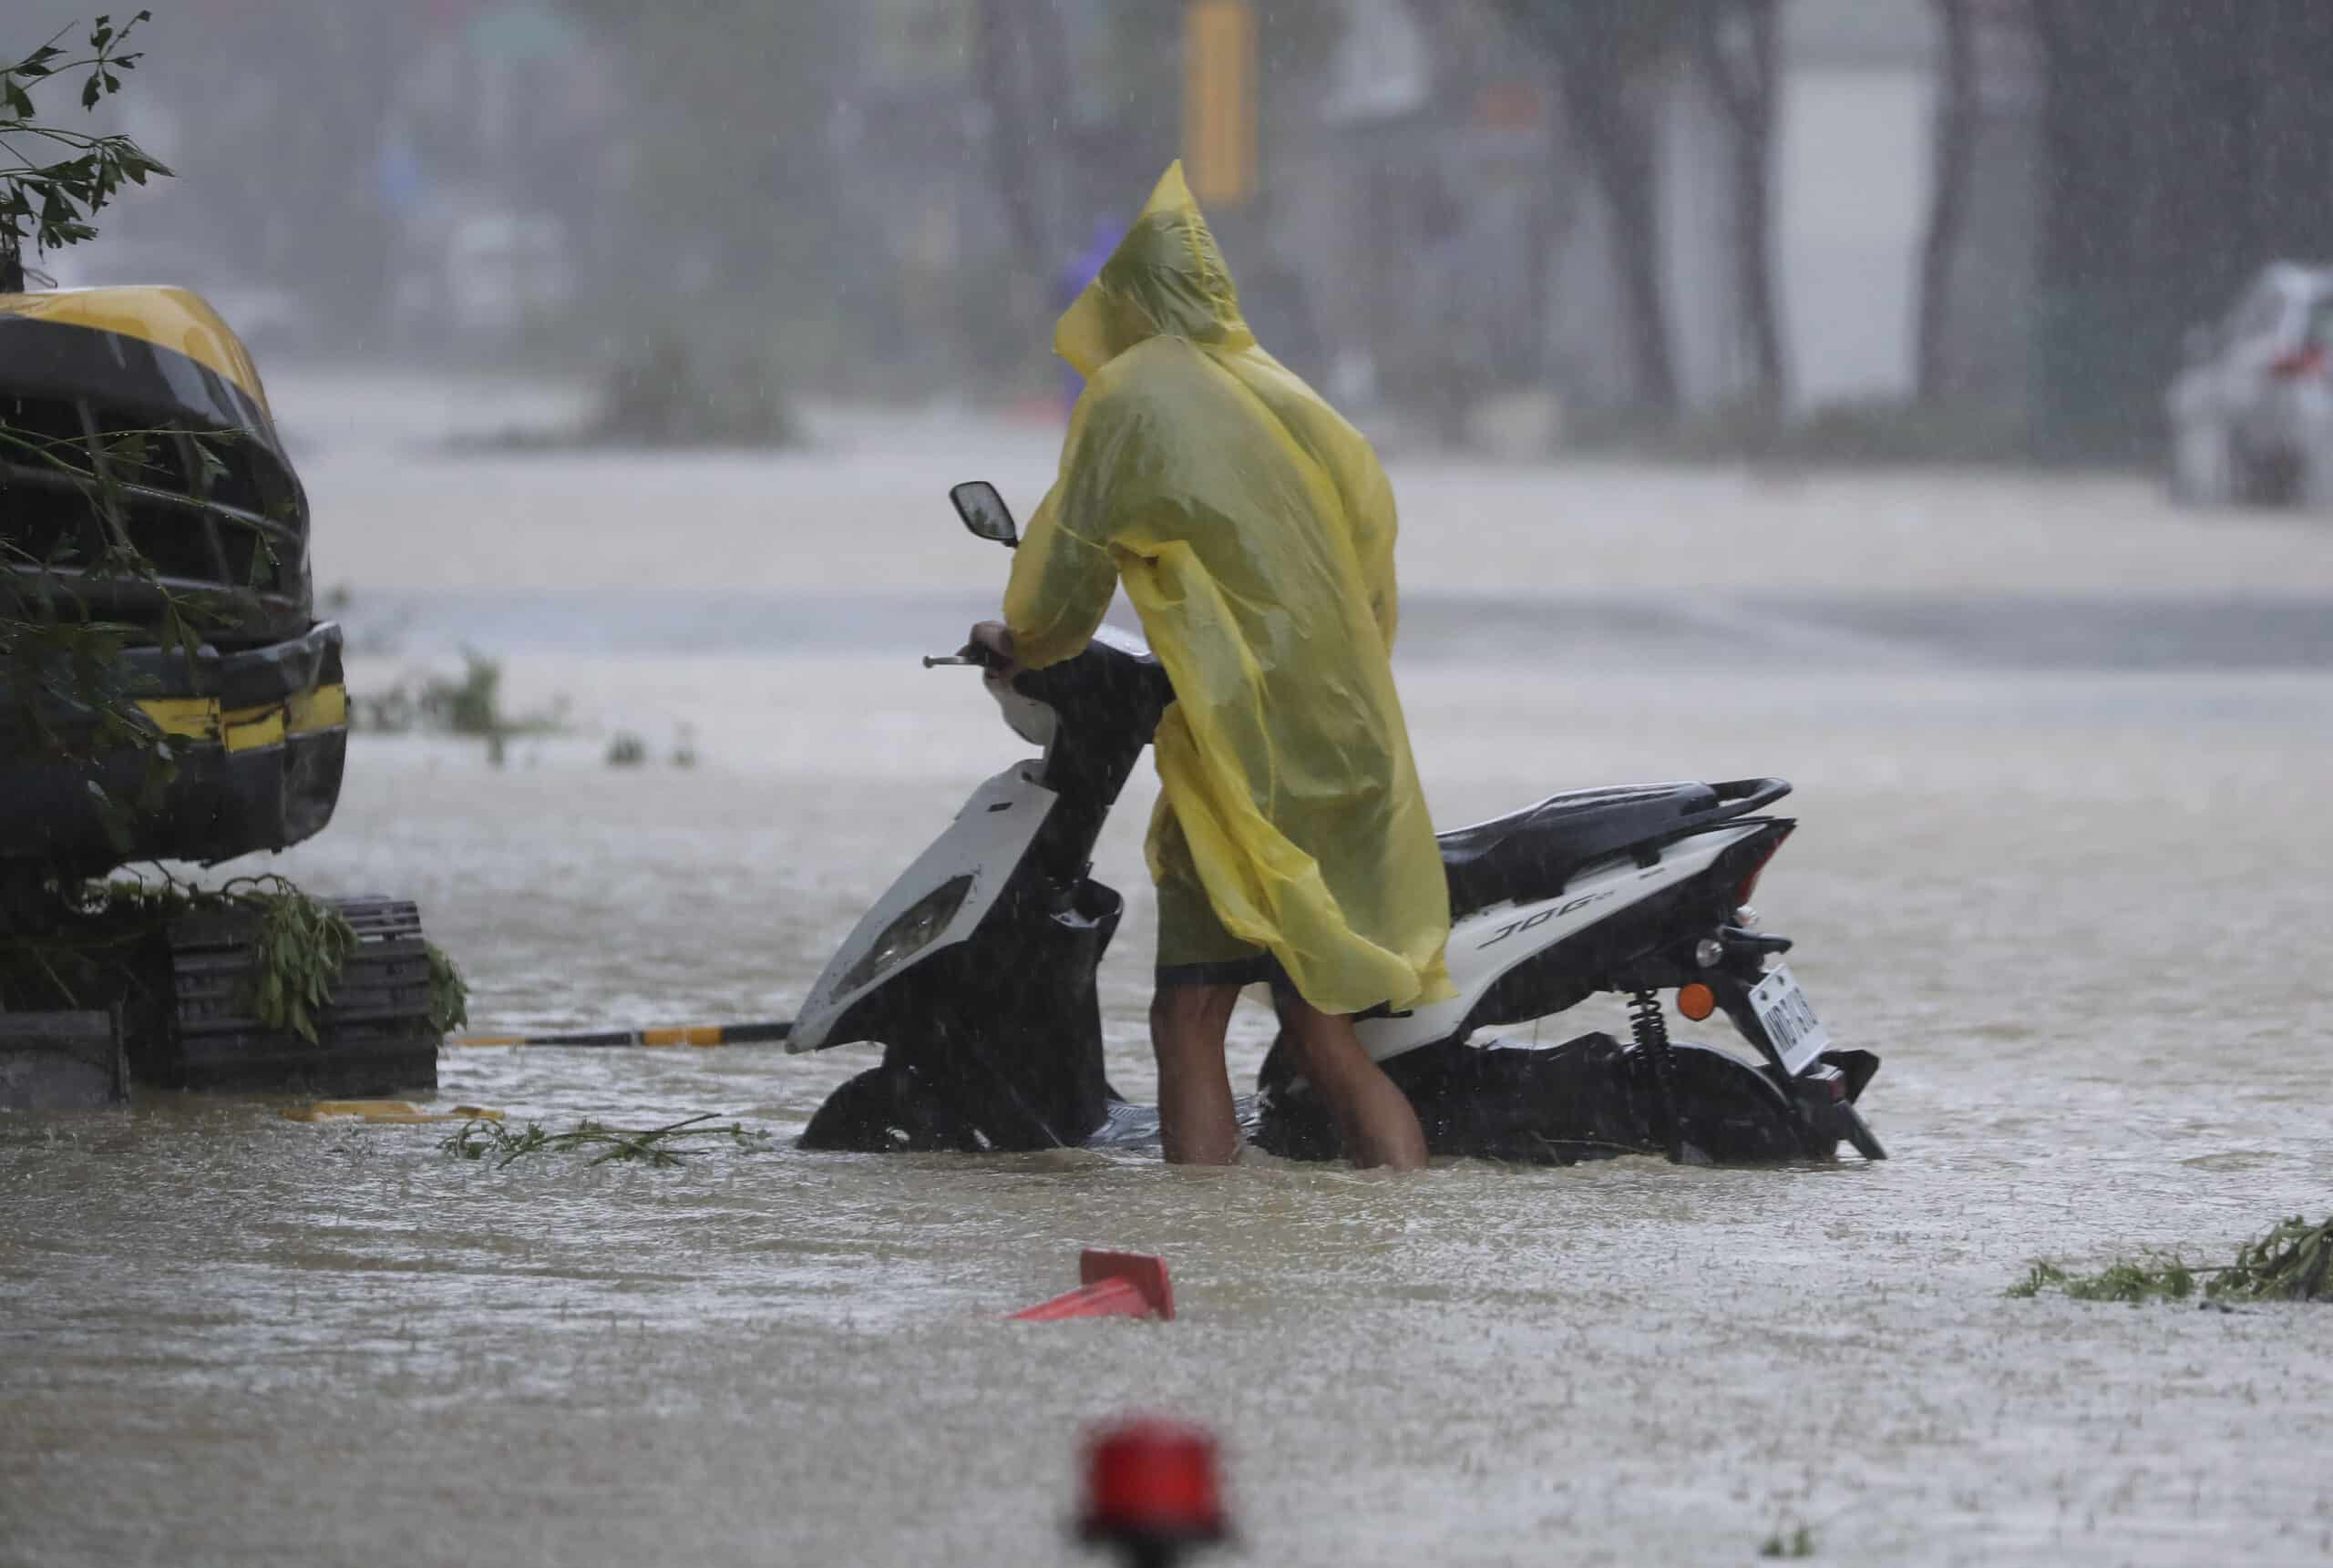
985, 844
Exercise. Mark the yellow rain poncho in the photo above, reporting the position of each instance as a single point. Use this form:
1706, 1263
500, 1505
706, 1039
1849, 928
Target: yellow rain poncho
1254, 533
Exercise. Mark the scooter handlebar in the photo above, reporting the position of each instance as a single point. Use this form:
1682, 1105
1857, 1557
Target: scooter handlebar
976, 654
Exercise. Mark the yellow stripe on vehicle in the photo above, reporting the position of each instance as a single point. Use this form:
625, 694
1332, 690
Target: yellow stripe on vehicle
196, 718
325, 708
249, 729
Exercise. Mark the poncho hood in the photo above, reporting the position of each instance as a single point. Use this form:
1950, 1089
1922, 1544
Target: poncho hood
1165, 279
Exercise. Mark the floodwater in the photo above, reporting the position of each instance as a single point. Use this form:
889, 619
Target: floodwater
2062, 863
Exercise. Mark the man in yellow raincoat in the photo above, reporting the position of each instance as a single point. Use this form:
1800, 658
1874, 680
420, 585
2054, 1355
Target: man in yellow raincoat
1253, 531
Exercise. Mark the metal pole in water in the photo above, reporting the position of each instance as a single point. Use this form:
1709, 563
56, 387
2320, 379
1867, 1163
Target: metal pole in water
704, 1034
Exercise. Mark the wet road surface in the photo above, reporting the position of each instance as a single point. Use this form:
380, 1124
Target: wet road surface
2076, 903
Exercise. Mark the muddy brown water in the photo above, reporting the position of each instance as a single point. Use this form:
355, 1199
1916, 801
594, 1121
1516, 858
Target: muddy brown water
2080, 916
2081, 919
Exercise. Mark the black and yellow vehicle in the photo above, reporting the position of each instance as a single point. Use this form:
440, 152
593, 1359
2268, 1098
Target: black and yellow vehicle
144, 488
137, 410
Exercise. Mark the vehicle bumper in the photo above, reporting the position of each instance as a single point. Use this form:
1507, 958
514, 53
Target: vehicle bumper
258, 737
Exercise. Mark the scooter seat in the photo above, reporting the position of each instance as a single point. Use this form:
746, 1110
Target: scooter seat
1533, 853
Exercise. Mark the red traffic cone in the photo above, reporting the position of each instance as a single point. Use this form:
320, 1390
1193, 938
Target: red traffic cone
1151, 1490
1113, 1284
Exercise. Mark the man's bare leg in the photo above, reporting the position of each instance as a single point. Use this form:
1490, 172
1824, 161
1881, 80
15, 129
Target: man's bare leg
1195, 1123
1376, 1120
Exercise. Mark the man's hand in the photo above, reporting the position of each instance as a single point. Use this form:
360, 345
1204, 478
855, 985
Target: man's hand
997, 638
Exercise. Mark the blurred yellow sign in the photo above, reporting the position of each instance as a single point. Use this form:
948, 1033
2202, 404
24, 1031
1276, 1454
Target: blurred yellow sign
1219, 99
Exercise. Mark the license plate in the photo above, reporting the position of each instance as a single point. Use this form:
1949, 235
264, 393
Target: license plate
1798, 1035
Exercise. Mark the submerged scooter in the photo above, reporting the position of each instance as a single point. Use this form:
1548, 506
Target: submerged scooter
976, 970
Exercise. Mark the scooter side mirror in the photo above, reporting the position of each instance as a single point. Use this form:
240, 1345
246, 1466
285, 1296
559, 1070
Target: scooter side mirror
984, 512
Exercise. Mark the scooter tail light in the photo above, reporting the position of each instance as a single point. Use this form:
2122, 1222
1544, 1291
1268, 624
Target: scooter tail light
1765, 852
2300, 363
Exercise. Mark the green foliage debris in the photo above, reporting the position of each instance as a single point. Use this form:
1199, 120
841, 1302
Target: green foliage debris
2158, 1278
469, 704
102, 940
449, 994
2293, 1261
1799, 1543
297, 953
103, 930
656, 1146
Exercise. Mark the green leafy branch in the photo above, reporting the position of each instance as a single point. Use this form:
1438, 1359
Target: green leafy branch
2293, 1261
54, 181
300, 948
449, 994
2152, 1277
298, 952
299, 944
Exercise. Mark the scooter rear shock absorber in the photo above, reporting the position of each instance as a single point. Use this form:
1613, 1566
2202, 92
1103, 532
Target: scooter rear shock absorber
1650, 1029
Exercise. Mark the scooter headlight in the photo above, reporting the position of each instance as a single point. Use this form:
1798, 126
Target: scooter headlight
914, 930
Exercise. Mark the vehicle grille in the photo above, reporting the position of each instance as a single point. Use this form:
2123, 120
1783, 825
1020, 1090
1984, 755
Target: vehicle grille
215, 513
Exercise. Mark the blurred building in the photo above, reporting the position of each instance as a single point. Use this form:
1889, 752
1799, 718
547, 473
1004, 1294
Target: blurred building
912, 223
1411, 193
501, 143
1992, 279
1442, 214
897, 194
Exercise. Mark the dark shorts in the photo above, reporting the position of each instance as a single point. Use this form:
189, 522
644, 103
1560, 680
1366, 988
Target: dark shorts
1263, 969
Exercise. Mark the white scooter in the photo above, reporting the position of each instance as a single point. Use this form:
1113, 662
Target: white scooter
975, 972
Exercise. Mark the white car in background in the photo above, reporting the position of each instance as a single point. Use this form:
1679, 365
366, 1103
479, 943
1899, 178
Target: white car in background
2252, 415
506, 271
491, 273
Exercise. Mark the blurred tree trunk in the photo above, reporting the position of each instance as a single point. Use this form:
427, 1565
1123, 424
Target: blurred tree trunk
1954, 150
735, 100
1022, 73
1737, 44
1603, 51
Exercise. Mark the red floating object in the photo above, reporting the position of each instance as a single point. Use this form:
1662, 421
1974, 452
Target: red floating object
1151, 1485
1113, 1285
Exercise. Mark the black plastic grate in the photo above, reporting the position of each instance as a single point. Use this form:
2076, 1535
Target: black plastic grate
376, 1029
